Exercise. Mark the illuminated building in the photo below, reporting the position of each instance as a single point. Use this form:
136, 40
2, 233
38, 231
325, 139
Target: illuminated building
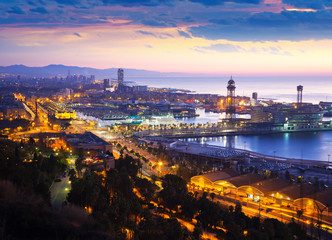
316, 203
88, 142
230, 100
65, 115
208, 180
11, 109
287, 195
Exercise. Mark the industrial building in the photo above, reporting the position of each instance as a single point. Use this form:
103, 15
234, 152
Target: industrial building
289, 194
211, 180
273, 191
319, 202
262, 189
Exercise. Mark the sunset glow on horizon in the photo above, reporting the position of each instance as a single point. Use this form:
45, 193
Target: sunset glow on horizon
191, 36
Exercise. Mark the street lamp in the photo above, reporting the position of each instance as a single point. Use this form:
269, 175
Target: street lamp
160, 165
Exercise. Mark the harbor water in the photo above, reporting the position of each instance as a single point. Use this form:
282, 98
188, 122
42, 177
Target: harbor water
299, 145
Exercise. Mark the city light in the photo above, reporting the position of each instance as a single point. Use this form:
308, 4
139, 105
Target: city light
127, 122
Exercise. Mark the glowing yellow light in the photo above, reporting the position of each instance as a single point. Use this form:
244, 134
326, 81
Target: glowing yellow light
301, 10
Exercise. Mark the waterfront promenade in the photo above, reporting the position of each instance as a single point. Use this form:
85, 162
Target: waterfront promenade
218, 151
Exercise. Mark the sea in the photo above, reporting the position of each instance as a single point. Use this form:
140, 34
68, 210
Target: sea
278, 88
300, 145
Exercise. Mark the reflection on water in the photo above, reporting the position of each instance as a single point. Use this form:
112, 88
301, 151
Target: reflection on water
209, 117
301, 145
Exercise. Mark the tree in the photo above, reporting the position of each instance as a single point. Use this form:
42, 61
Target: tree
198, 231
231, 208
17, 155
212, 196
146, 188
72, 175
79, 161
174, 191
287, 175
32, 141
238, 208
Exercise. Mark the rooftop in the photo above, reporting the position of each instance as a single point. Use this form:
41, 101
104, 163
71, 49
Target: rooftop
246, 179
271, 185
220, 175
294, 191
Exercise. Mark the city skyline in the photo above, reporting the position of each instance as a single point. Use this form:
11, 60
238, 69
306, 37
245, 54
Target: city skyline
193, 36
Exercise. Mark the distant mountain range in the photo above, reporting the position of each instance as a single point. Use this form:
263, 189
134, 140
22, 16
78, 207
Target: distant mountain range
62, 70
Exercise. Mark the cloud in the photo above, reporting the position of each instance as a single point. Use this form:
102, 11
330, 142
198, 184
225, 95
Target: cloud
167, 35
77, 34
240, 20
157, 35
41, 10
135, 3
313, 4
68, 2
221, 2
286, 25
225, 48
16, 10
184, 34
146, 33
271, 51
153, 23
31, 3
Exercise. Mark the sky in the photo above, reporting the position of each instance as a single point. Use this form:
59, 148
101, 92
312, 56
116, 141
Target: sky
193, 36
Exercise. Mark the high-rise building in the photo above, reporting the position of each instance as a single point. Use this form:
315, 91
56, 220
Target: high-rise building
92, 78
68, 76
299, 95
255, 96
106, 84
120, 76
